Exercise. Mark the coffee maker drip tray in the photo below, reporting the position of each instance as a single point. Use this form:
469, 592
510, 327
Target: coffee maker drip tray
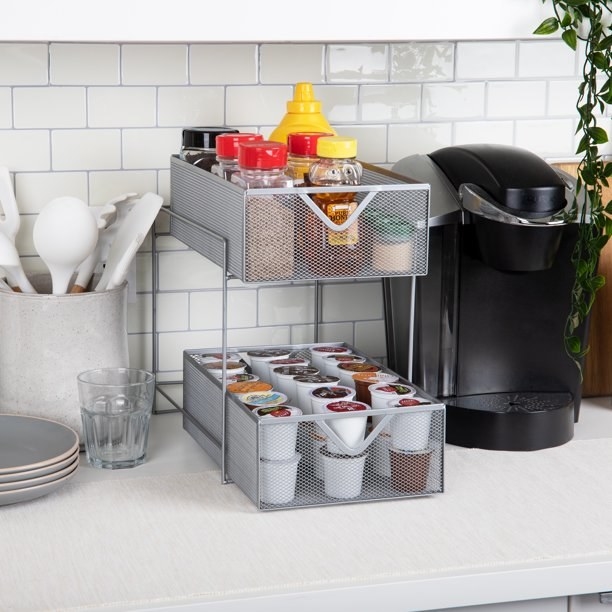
514, 420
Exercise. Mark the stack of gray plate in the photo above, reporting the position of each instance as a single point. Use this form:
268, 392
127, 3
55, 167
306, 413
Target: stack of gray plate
37, 456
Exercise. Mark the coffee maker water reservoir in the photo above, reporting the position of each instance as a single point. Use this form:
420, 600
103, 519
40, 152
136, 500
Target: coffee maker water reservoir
484, 329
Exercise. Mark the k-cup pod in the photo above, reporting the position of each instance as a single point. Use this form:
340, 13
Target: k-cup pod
232, 368
363, 380
245, 377
346, 371
305, 383
410, 427
287, 361
278, 480
264, 399
208, 357
319, 396
243, 388
318, 354
259, 360
351, 430
332, 362
379, 454
410, 470
277, 439
383, 393
285, 379
343, 474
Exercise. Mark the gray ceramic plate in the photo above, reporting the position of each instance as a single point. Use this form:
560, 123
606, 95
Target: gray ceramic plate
52, 468
33, 482
28, 443
22, 495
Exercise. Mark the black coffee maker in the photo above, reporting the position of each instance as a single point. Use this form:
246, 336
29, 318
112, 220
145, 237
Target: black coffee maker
484, 330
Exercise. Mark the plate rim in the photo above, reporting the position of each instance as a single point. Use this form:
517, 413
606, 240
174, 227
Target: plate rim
51, 476
43, 462
31, 474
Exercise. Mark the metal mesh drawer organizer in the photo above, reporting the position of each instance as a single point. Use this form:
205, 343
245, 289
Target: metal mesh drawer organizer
282, 235
304, 460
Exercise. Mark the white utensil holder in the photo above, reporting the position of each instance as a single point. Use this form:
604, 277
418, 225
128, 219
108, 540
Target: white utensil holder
46, 340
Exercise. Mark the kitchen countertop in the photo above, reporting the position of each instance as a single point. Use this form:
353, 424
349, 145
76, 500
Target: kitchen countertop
168, 535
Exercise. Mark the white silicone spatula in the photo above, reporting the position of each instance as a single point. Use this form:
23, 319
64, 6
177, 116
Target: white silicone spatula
130, 235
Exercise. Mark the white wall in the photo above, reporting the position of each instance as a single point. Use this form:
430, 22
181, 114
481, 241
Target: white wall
98, 119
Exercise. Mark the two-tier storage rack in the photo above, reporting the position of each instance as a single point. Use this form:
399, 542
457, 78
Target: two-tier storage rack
277, 236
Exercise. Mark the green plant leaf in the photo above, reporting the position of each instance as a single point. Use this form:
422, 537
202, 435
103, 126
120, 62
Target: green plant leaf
547, 27
570, 38
573, 344
598, 135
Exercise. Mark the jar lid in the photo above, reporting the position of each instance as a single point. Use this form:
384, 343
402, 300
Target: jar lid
303, 100
337, 147
204, 137
262, 155
304, 143
227, 144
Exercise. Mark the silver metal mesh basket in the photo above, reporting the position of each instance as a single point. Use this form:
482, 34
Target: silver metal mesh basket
282, 234
299, 461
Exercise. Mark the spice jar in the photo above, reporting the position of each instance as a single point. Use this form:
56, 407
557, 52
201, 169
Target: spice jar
301, 154
392, 241
262, 164
227, 152
198, 146
329, 251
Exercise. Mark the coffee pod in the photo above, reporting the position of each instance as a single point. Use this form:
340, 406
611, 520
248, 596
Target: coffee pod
410, 470
259, 360
244, 377
305, 383
285, 378
318, 354
264, 399
350, 430
343, 474
383, 393
277, 439
319, 396
363, 380
287, 361
346, 371
332, 362
410, 427
208, 357
278, 480
231, 368
243, 389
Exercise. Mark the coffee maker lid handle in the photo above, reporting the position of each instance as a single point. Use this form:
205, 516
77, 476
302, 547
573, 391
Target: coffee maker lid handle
476, 200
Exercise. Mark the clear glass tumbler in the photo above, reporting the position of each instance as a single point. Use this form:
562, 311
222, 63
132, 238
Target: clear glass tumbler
116, 406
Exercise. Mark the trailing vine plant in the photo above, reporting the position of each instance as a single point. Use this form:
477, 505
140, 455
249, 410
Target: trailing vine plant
585, 24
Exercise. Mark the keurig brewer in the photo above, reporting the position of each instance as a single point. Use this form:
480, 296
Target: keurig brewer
484, 329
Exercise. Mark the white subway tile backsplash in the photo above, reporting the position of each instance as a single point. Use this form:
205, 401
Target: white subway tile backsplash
206, 309
516, 99
86, 149
339, 103
26, 150
149, 148
84, 64
109, 184
360, 62
224, 64
547, 138
185, 106
286, 305
6, 108
152, 64
292, 63
24, 64
34, 189
550, 58
453, 101
419, 138
485, 60
98, 120
121, 106
493, 132
422, 62
390, 103
49, 107
259, 105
